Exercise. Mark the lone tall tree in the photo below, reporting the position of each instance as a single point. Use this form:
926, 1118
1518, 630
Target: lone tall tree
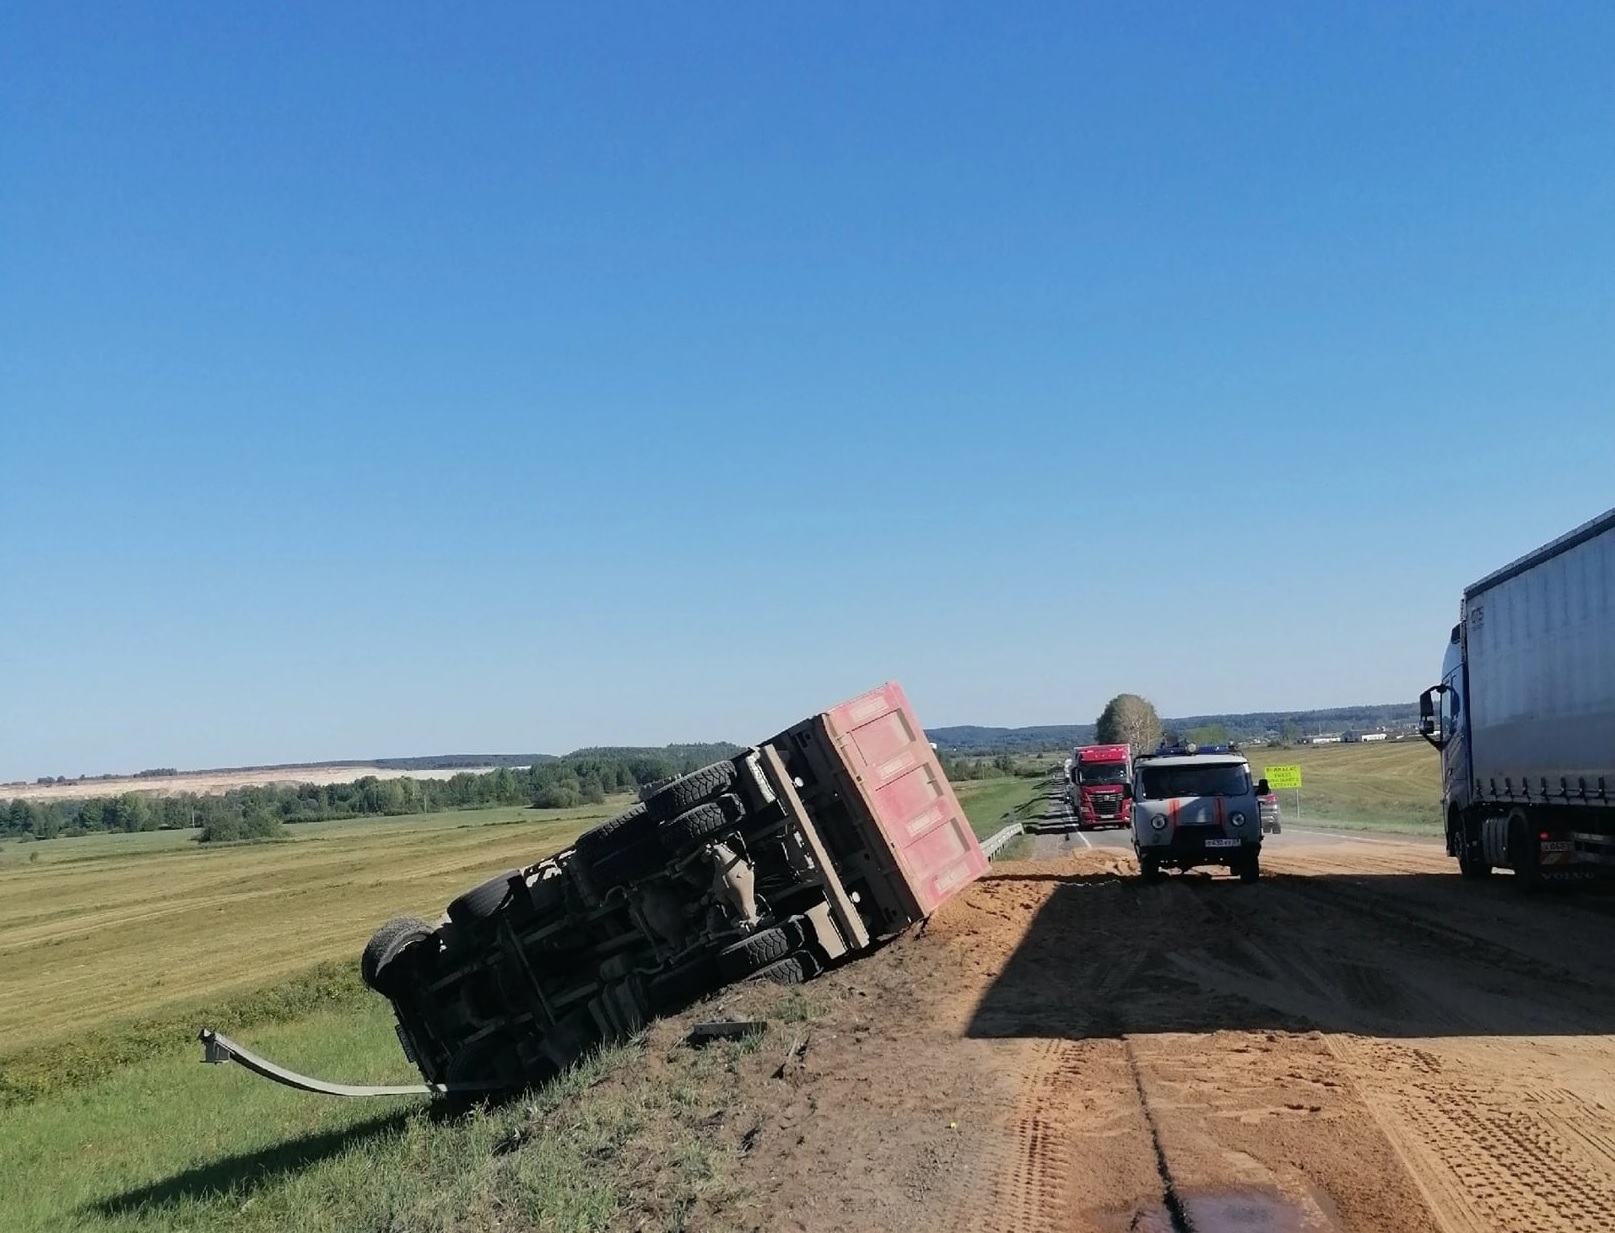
1129, 720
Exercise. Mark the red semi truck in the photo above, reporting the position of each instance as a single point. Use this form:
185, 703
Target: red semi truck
1098, 775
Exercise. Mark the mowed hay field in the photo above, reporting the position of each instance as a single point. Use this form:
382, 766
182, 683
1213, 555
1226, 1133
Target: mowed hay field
110, 927
116, 926
1389, 785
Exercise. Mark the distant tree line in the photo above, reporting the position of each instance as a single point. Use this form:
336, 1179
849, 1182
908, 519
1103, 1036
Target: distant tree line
586, 777
958, 769
974, 741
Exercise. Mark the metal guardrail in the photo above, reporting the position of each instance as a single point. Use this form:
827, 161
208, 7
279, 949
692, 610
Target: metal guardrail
998, 839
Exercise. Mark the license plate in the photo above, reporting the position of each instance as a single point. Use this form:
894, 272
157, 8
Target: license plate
1222, 843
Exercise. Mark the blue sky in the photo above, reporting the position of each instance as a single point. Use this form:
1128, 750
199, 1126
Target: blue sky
379, 380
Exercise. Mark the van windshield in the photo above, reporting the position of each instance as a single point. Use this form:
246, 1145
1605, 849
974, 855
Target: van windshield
1163, 782
1103, 772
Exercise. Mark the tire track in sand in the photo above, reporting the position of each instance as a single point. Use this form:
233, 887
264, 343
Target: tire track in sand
1488, 1158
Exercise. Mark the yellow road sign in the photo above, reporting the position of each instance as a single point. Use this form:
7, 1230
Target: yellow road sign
1282, 776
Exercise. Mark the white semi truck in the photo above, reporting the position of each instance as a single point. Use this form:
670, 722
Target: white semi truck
1524, 714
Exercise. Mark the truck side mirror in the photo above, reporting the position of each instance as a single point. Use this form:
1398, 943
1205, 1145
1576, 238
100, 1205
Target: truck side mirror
1429, 718
1262, 789
1127, 792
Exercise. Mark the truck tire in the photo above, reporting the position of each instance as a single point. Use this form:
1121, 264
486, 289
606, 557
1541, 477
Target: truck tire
794, 969
621, 850
384, 947
696, 788
1149, 869
481, 902
694, 827
1523, 853
1472, 863
547, 895
673, 991
751, 955
1249, 867
489, 1061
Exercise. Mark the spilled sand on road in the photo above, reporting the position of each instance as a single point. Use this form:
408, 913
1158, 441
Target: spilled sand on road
1361, 1042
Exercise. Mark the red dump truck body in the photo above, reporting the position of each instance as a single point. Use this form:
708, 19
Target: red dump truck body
892, 767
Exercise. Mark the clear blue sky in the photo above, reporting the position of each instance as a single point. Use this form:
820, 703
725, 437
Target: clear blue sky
379, 380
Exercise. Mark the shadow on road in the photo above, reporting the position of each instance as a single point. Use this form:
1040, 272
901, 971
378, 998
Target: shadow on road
243, 1174
1416, 954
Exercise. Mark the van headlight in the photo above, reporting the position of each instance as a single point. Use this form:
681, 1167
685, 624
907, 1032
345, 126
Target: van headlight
1237, 819
1159, 821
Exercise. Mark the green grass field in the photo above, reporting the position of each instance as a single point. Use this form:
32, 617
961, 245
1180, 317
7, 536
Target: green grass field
986, 801
114, 926
1394, 786
117, 947
174, 1146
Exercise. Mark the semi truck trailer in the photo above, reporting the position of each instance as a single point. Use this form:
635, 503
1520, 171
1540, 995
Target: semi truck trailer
1524, 714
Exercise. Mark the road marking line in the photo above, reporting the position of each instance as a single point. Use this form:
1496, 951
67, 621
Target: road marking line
1084, 839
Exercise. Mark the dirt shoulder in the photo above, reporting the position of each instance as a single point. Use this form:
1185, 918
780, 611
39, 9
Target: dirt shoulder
1361, 1042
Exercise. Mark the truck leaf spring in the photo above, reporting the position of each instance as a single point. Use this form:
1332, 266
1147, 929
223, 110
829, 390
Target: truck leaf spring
219, 1049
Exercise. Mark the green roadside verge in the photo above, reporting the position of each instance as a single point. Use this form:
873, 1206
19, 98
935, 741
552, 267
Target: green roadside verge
641, 1133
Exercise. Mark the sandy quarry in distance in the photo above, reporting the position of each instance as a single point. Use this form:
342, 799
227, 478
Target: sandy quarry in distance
211, 782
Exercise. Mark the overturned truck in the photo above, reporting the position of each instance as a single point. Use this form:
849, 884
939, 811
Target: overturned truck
793, 855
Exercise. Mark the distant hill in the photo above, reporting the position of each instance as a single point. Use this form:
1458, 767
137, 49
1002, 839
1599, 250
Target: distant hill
1253, 725
970, 738
1244, 726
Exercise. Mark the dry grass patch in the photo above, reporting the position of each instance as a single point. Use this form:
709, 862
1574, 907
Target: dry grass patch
108, 931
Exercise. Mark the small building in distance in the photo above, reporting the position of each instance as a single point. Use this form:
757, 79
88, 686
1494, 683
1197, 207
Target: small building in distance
1355, 737
1320, 740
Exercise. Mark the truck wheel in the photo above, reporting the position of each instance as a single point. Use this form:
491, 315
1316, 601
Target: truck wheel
673, 991
695, 826
753, 954
696, 788
489, 1061
794, 969
1249, 868
1463, 841
1523, 853
1149, 869
481, 902
621, 850
385, 946
1471, 864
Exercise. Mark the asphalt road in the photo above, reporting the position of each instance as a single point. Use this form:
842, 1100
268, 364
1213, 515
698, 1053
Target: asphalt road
1050, 845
